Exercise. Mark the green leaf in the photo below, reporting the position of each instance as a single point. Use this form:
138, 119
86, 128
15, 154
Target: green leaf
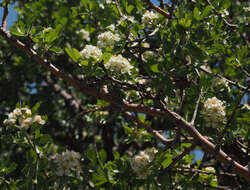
167, 161
50, 36
84, 63
73, 53
56, 49
154, 68
36, 107
129, 8
103, 155
10, 169
17, 31
206, 11
196, 13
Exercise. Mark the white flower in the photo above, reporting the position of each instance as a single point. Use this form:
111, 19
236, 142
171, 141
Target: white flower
246, 9
21, 118
101, 5
221, 82
214, 111
38, 119
148, 55
67, 161
149, 17
108, 1
111, 27
17, 112
118, 63
91, 51
84, 34
210, 169
107, 39
141, 161
26, 122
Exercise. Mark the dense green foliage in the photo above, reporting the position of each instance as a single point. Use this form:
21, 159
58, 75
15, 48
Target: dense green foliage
189, 53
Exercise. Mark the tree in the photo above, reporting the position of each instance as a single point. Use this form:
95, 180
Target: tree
127, 90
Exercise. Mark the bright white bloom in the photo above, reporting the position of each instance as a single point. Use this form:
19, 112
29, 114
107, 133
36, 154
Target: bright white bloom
84, 34
21, 118
107, 39
224, 13
38, 119
111, 27
210, 169
108, 1
141, 161
118, 63
221, 82
67, 161
148, 55
91, 52
149, 17
214, 111
246, 9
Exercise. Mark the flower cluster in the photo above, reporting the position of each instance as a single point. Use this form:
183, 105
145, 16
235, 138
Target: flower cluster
22, 118
214, 111
68, 161
221, 82
148, 17
141, 161
107, 39
91, 52
118, 63
84, 34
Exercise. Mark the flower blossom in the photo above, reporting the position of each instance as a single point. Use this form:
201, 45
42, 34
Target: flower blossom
91, 52
141, 161
22, 118
149, 17
84, 34
118, 63
214, 111
67, 161
107, 39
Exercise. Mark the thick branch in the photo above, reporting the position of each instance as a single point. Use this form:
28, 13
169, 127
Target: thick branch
158, 9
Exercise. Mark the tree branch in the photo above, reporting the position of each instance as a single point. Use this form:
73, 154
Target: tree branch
196, 108
5, 15
221, 135
178, 158
158, 9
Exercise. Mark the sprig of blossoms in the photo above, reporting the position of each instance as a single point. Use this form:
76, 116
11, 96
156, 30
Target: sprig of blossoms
149, 17
67, 162
22, 118
215, 112
141, 161
91, 52
84, 34
107, 39
118, 63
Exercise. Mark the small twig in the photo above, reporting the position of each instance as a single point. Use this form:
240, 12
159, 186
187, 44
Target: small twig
221, 135
196, 107
158, 9
178, 158
229, 81
118, 8
5, 15
150, 130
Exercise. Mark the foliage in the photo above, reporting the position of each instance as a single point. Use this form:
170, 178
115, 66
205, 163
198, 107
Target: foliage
127, 90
